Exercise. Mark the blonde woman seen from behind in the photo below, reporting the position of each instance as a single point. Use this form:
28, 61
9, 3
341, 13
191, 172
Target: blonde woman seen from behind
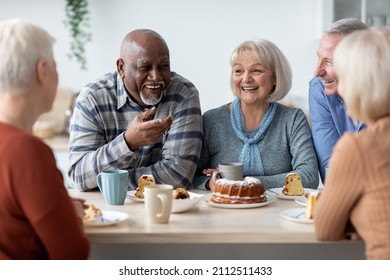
356, 194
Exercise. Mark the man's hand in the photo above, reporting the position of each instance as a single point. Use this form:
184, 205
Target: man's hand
144, 130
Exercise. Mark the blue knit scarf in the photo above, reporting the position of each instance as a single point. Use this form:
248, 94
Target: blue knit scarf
250, 154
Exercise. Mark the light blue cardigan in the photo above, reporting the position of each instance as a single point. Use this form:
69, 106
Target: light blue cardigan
285, 147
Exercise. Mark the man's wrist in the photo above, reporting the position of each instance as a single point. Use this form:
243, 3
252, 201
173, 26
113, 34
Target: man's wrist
131, 147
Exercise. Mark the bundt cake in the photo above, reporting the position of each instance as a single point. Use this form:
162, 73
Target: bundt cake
144, 180
293, 186
250, 190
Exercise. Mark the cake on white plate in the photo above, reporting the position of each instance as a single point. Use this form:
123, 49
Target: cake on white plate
250, 190
144, 180
293, 185
312, 199
92, 214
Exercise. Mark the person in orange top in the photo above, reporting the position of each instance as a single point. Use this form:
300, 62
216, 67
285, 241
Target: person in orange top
38, 220
356, 194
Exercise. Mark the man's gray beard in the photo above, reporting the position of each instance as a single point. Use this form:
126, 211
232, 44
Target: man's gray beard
153, 100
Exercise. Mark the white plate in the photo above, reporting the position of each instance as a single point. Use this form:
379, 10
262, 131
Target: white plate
182, 205
301, 200
277, 193
130, 194
109, 218
296, 215
240, 206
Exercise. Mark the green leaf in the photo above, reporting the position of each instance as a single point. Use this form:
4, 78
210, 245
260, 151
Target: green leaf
77, 23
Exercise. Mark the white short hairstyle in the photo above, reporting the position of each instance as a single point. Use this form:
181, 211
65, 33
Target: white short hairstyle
361, 62
346, 26
22, 45
272, 58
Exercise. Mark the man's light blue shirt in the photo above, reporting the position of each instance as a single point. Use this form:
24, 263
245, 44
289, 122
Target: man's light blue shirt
329, 121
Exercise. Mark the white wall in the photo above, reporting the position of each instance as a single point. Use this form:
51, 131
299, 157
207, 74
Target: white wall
201, 35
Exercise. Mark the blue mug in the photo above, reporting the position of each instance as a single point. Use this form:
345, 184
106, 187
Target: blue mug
113, 186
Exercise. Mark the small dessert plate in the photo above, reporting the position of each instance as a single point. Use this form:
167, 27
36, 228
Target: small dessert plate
297, 215
131, 195
277, 193
240, 206
301, 200
109, 218
182, 205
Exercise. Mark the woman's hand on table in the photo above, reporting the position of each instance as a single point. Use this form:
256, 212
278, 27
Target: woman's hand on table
210, 183
79, 206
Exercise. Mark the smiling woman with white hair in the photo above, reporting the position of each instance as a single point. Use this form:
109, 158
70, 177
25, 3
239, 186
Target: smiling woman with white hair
270, 140
357, 189
38, 219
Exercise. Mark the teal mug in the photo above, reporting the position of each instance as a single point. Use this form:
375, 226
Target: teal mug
113, 186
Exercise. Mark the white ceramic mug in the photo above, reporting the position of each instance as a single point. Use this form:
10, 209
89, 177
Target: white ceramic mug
158, 203
230, 170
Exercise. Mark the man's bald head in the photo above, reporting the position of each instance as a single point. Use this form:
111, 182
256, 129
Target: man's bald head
141, 38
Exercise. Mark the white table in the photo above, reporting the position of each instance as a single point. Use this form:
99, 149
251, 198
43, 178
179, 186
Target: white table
205, 232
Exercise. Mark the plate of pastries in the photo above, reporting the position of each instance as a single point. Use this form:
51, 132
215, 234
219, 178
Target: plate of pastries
183, 200
94, 217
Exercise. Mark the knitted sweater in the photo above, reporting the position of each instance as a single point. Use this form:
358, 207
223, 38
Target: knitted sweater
285, 147
357, 190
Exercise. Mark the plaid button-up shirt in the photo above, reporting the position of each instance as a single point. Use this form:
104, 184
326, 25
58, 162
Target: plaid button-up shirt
101, 115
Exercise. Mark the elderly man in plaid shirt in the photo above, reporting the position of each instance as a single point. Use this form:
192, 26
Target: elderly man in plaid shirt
142, 118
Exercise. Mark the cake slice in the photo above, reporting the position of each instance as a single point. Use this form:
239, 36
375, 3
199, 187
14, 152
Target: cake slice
92, 214
312, 199
144, 180
181, 193
293, 186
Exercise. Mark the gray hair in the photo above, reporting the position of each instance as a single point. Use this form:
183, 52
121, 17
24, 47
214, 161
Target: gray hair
346, 26
272, 58
22, 45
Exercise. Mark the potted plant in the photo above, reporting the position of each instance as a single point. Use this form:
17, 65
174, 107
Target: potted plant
77, 22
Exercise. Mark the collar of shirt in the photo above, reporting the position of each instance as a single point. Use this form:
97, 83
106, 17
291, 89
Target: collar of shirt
121, 92
356, 124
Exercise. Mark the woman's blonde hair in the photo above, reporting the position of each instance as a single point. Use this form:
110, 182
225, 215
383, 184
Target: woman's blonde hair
271, 57
362, 65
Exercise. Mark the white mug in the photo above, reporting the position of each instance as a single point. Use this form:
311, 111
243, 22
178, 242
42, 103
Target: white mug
158, 203
229, 170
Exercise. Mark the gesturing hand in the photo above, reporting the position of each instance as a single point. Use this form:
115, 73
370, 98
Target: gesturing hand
144, 130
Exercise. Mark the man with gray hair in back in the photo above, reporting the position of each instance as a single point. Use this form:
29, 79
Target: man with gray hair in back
328, 116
